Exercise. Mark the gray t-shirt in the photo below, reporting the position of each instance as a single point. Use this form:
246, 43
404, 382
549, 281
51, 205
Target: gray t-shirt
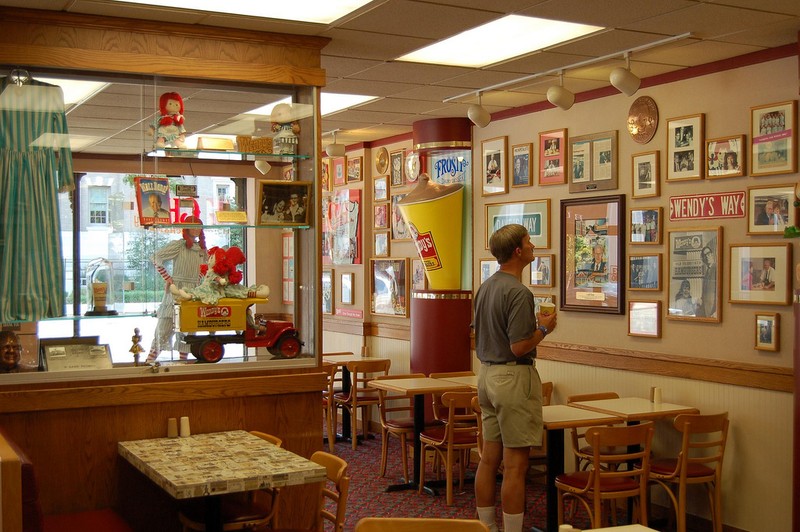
504, 314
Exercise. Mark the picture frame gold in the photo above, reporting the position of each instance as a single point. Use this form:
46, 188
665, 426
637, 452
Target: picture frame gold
726, 157
553, 149
695, 274
770, 209
347, 287
594, 162
522, 167
685, 145
644, 318
284, 203
760, 273
354, 169
646, 174
389, 287
773, 138
767, 333
328, 291
542, 270
533, 214
646, 225
494, 165
644, 271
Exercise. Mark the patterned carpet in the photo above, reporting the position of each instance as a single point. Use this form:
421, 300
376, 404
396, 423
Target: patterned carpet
368, 496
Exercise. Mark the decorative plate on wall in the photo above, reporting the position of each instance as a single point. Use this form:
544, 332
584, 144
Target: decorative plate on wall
643, 119
382, 160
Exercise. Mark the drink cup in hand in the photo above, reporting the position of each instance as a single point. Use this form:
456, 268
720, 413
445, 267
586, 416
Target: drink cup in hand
547, 308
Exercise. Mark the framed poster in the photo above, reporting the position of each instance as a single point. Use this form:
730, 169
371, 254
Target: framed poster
644, 318
593, 254
685, 146
593, 164
344, 213
339, 176
534, 215
346, 293
646, 175
488, 267
646, 225
644, 271
768, 332
552, 156
381, 248
380, 188
283, 203
773, 149
419, 281
695, 274
399, 228
396, 168
770, 208
725, 157
327, 233
354, 165
381, 216
761, 273
542, 270
389, 287
326, 181
521, 155
494, 166
327, 291
152, 199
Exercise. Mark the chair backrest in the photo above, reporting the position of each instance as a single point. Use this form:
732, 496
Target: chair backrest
439, 410
363, 371
395, 404
417, 524
703, 442
331, 371
476, 409
269, 437
460, 427
597, 396
547, 393
333, 503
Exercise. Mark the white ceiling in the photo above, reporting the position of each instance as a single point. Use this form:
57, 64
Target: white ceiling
360, 57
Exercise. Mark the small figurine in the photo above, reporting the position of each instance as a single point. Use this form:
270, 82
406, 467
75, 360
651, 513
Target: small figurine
168, 129
136, 348
221, 279
286, 131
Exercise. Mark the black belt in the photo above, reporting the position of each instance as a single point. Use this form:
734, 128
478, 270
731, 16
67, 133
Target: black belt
518, 362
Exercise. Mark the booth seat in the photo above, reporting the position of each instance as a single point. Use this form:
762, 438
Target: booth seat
22, 510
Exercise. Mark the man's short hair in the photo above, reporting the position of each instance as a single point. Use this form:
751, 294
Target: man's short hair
505, 240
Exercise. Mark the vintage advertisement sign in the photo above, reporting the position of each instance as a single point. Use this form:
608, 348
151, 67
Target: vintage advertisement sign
707, 206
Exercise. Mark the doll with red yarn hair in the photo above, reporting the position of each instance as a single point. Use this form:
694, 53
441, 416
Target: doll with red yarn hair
168, 127
186, 256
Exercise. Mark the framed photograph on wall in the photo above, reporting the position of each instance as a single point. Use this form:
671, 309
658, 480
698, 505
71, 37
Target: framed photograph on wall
354, 165
761, 273
644, 271
646, 175
695, 274
396, 168
538, 299
767, 333
542, 270
534, 215
380, 188
685, 147
646, 225
327, 291
389, 287
494, 175
725, 157
346, 293
399, 228
339, 171
381, 248
487, 268
381, 216
419, 281
644, 318
770, 208
326, 181
773, 130
593, 162
522, 155
552, 156
284, 203
592, 254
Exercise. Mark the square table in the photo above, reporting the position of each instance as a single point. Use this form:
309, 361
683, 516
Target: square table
417, 388
466, 380
635, 409
208, 465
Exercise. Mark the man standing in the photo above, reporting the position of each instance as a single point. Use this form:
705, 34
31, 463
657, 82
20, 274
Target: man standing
507, 331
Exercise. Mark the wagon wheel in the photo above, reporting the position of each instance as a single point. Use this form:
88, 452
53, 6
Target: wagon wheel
287, 346
209, 351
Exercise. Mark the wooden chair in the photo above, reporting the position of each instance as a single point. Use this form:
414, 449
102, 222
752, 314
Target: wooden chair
421, 524
251, 510
599, 483
397, 419
580, 449
440, 410
333, 502
328, 404
538, 455
361, 396
699, 462
452, 441
476, 409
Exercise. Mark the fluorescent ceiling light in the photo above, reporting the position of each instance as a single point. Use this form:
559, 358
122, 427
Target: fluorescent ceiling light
317, 11
329, 103
75, 91
504, 38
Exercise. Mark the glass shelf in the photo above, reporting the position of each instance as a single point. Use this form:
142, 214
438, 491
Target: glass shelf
226, 226
226, 155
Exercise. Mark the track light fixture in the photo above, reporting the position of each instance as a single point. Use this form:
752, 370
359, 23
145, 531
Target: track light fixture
333, 149
559, 96
478, 114
623, 79
262, 166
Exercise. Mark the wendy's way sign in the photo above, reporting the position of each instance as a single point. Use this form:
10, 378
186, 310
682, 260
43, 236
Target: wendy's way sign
706, 206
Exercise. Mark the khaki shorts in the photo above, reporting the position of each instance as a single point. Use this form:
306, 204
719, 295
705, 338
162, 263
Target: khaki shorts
511, 404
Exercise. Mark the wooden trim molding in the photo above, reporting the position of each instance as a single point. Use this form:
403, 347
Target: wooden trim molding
702, 369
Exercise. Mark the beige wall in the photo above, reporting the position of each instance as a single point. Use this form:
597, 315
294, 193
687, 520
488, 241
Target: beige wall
757, 477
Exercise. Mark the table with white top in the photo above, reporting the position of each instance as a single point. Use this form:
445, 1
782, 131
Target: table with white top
416, 387
635, 409
208, 465
466, 380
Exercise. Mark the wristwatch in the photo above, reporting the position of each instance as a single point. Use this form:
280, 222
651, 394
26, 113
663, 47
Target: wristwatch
543, 329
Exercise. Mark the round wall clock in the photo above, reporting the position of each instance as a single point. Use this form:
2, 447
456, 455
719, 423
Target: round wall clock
412, 167
643, 119
382, 160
